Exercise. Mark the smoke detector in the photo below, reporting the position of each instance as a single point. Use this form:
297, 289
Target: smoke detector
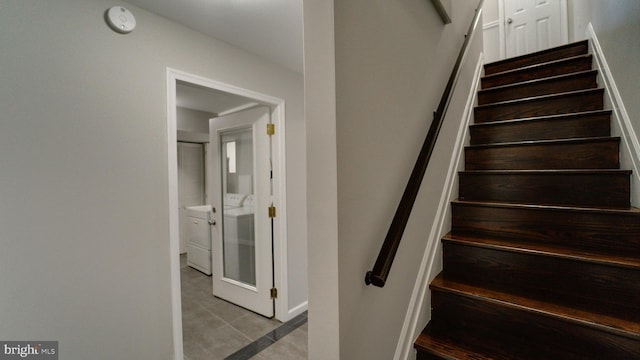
120, 19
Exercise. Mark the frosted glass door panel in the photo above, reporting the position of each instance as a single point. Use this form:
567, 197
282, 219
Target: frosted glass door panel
238, 244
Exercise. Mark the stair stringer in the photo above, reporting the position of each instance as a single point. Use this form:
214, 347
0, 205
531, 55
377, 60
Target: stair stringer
621, 122
418, 309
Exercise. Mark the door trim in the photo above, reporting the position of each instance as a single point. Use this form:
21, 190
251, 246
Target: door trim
279, 195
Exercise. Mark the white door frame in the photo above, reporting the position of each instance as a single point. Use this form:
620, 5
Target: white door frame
279, 195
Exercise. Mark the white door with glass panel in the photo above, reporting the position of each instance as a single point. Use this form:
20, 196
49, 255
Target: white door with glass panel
533, 25
241, 192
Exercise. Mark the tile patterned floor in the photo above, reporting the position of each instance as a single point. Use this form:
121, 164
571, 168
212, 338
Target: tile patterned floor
214, 329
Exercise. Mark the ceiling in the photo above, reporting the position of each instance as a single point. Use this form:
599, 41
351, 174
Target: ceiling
269, 28
195, 97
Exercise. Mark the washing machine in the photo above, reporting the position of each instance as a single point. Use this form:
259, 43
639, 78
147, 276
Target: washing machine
199, 237
234, 200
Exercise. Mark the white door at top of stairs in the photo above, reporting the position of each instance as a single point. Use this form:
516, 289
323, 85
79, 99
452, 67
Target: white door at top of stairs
534, 25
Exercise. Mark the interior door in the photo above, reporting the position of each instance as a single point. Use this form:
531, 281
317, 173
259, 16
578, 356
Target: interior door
241, 192
533, 25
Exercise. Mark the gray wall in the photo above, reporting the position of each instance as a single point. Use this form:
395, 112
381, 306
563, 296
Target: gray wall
322, 192
392, 62
617, 25
83, 187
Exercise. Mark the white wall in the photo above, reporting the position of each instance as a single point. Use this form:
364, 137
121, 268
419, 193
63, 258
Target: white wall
84, 218
193, 120
578, 16
490, 11
392, 61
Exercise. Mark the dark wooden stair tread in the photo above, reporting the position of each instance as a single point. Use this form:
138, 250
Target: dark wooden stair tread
594, 230
546, 250
544, 105
551, 171
608, 324
541, 97
574, 187
451, 348
632, 210
541, 118
547, 142
459, 344
536, 71
539, 80
584, 124
560, 52
574, 153
544, 86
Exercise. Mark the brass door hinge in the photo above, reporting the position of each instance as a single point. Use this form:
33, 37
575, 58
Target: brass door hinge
272, 211
271, 129
274, 293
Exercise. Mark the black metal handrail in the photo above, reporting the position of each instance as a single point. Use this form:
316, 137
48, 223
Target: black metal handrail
378, 276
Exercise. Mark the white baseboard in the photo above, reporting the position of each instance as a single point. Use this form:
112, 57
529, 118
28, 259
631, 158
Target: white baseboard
621, 125
427, 270
297, 310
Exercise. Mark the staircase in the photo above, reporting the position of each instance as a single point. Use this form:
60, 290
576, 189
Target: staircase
543, 258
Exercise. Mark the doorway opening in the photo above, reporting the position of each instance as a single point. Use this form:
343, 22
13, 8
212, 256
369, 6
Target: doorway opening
232, 101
